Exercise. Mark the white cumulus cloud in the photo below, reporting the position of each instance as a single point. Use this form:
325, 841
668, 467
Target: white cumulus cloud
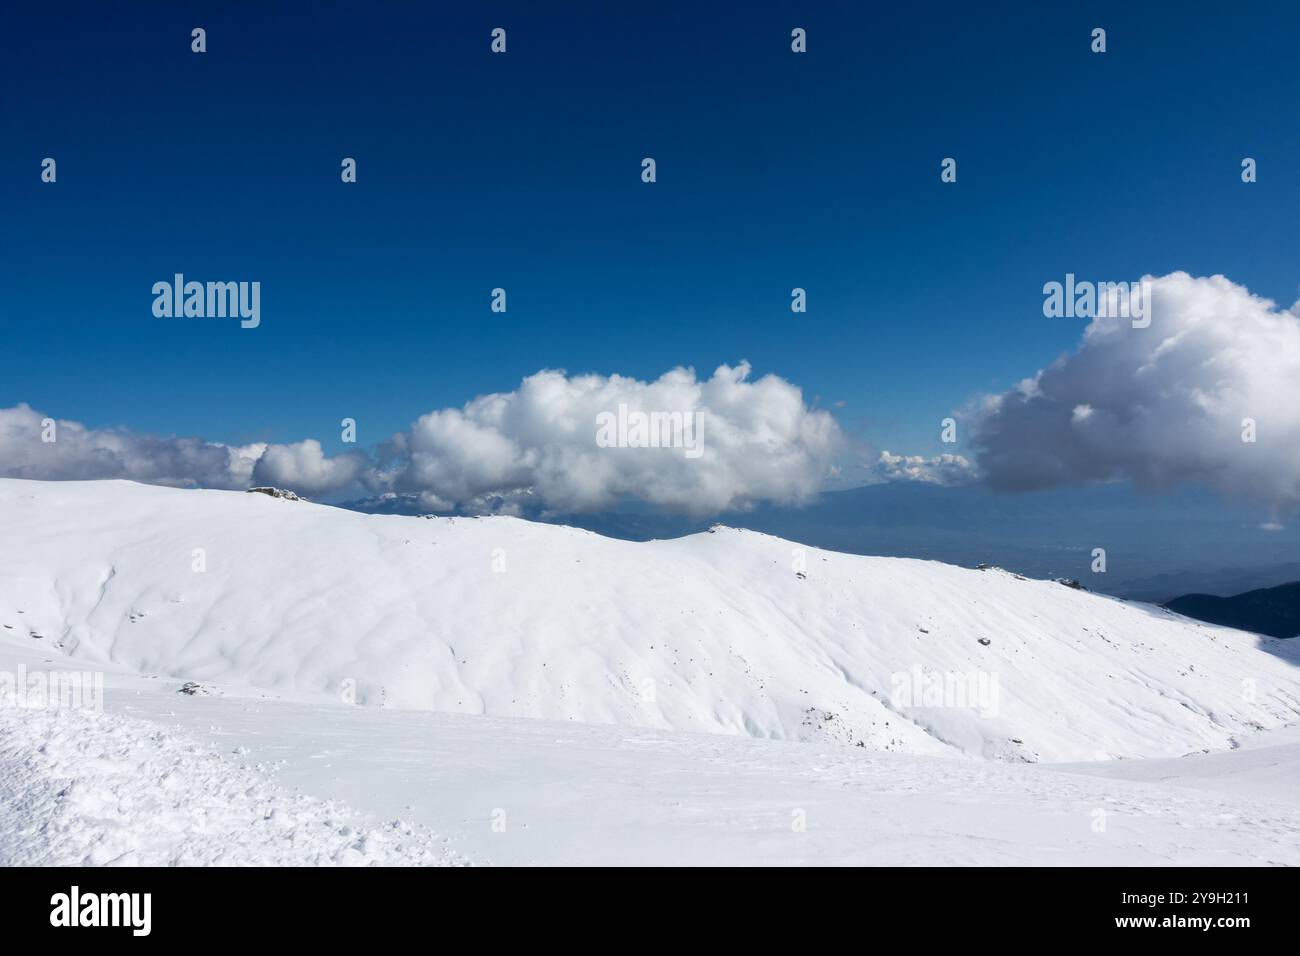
747, 441
945, 469
303, 467
1163, 404
758, 441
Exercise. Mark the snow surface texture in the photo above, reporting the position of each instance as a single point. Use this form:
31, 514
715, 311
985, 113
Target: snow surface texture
87, 789
728, 632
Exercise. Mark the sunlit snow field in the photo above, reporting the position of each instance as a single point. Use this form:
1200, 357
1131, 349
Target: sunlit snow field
374, 690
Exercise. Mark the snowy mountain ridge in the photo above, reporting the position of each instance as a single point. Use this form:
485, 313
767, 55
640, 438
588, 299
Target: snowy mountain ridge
730, 632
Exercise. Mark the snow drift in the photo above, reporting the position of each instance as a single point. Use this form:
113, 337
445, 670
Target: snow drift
729, 631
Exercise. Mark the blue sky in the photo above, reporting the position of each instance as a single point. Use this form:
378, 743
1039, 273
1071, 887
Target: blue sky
522, 171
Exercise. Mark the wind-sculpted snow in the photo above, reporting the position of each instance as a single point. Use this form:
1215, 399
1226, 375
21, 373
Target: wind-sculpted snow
730, 632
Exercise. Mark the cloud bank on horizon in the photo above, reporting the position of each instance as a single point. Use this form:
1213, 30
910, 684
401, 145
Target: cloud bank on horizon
1157, 406
29, 448
758, 441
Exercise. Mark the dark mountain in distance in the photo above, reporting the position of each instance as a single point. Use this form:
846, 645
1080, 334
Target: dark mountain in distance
1158, 546
1218, 582
1271, 611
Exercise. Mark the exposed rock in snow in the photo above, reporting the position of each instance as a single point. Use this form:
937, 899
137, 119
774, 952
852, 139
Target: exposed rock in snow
276, 493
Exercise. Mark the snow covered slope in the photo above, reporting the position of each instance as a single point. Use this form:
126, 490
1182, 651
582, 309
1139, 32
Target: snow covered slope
228, 777
730, 631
